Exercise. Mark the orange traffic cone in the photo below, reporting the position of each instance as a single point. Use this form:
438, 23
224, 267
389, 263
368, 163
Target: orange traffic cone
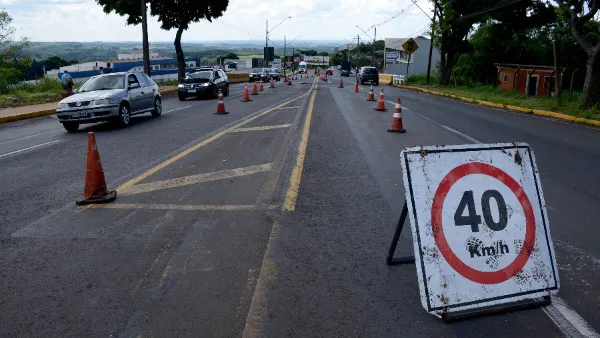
221, 105
261, 88
341, 84
356, 87
272, 84
95, 185
381, 94
371, 94
397, 120
380, 105
255, 89
246, 95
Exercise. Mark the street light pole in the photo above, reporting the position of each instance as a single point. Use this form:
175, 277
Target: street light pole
145, 47
374, 40
267, 45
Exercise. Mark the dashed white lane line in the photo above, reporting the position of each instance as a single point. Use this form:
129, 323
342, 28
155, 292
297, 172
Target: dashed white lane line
461, 134
176, 109
29, 148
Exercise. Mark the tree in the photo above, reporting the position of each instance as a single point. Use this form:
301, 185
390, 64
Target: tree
9, 49
585, 31
180, 15
323, 54
135, 15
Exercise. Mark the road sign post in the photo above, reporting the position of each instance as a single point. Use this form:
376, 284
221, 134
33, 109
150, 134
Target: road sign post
480, 229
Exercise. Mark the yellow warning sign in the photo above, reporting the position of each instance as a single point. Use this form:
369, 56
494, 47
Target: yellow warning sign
410, 46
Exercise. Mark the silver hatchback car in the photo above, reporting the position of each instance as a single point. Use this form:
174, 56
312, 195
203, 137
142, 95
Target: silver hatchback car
110, 97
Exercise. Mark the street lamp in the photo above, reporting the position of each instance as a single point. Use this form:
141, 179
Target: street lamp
267, 38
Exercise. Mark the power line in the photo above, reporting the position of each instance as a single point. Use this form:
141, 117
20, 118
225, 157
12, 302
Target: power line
393, 16
415, 2
493, 8
237, 28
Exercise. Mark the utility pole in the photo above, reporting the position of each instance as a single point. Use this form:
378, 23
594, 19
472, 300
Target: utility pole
267, 44
284, 47
357, 50
374, 40
145, 47
431, 41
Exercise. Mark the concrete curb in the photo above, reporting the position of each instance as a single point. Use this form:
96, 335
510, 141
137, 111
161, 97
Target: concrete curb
546, 113
53, 111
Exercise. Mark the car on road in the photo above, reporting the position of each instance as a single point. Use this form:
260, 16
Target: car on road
329, 72
203, 82
368, 74
258, 74
273, 73
345, 72
110, 97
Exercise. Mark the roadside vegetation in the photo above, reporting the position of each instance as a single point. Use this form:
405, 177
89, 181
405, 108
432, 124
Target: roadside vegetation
570, 103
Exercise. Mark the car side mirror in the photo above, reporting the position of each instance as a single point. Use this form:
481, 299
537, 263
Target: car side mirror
134, 85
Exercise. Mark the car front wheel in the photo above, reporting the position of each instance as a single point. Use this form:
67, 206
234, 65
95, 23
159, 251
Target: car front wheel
71, 127
124, 116
157, 111
181, 97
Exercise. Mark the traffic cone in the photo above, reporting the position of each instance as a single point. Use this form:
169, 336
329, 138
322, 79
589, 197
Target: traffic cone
272, 84
397, 120
380, 105
255, 89
356, 87
261, 88
246, 95
371, 94
95, 190
381, 94
341, 84
221, 105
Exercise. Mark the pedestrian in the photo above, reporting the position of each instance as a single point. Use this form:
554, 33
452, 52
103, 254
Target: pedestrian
108, 69
101, 70
67, 82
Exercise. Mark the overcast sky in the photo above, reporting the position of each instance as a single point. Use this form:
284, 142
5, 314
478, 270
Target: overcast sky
84, 20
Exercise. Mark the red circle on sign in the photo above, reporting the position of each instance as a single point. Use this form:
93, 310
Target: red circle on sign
477, 276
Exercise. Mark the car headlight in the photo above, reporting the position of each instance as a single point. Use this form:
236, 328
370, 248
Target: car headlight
180, 85
62, 106
206, 84
101, 102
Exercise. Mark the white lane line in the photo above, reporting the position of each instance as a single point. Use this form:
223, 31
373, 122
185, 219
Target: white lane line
279, 126
32, 136
176, 109
29, 148
567, 320
461, 134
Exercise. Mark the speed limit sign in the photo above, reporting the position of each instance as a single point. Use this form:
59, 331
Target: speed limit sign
480, 228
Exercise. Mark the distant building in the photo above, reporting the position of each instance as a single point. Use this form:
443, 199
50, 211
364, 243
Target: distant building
135, 56
397, 59
349, 46
528, 80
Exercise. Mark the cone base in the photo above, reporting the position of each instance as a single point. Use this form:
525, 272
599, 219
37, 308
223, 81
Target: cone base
396, 131
111, 196
254, 94
376, 109
371, 100
222, 113
246, 100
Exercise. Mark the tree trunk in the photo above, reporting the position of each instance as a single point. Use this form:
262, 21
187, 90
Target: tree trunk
145, 46
446, 64
180, 56
591, 86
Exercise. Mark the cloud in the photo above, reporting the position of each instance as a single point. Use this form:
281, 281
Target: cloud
84, 20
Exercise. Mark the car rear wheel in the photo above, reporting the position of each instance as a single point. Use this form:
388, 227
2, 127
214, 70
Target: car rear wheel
71, 127
124, 116
215, 93
157, 111
226, 92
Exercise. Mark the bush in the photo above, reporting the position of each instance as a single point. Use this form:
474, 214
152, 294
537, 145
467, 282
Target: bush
8, 78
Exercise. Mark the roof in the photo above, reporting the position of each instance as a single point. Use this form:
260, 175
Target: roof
526, 67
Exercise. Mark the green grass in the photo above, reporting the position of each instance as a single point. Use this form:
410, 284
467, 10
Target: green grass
168, 83
570, 105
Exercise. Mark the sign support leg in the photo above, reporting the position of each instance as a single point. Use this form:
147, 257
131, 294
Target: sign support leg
390, 260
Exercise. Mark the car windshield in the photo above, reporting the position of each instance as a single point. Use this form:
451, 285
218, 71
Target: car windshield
105, 82
204, 75
369, 70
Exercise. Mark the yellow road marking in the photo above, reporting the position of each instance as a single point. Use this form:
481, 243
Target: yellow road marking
279, 126
202, 144
189, 207
291, 195
195, 179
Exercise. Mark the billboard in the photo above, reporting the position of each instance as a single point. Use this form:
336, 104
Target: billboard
269, 53
316, 60
392, 57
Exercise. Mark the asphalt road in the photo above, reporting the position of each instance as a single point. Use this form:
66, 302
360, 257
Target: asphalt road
197, 243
